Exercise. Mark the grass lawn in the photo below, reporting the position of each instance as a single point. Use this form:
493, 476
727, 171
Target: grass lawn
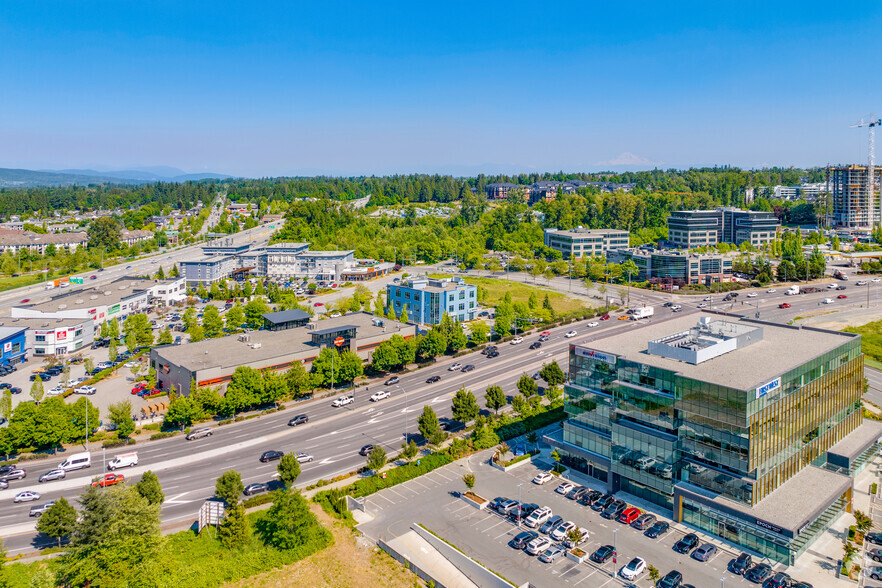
495, 289
8, 283
871, 341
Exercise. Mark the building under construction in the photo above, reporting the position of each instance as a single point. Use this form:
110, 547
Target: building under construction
852, 198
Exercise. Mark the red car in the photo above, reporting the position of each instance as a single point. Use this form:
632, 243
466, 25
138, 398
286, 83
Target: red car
841, 296
109, 480
629, 515
26, 300
319, 304
138, 387
784, 305
605, 317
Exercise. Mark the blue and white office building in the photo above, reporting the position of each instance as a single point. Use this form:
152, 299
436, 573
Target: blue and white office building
427, 300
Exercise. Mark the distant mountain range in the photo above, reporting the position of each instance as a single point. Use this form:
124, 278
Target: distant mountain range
27, 178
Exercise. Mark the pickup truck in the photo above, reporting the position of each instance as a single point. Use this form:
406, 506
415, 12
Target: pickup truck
39, 510
343, 401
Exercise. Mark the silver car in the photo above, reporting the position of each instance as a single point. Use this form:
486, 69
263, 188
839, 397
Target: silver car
552, 553
56, 474
304, 457
26, 496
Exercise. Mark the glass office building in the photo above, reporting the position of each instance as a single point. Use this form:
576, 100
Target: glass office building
725, 423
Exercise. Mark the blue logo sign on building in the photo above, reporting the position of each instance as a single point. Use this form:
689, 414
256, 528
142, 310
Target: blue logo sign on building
766, 388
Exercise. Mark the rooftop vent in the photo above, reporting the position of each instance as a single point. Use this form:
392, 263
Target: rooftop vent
79, 300
44, 325
62, 306
93, 297
107, 292
255, 346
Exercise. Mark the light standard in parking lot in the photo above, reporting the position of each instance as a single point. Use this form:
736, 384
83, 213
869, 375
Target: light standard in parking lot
520, 510
722, 581
615, 552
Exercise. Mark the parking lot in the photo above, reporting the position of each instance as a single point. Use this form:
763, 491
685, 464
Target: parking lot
484, 535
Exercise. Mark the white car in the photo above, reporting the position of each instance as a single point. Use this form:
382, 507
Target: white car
751, 294
707, 298
565, 488
771, 291
861, 283
131, 364
570, 334
593, 324
85, 390
702, 305
832, 286
538, 545
26, 496
517, 340
560, 532
876, 280
454, 367
634, 568
55, 391
828, 301
342, 401
336, 315
377, 396
542, 477
304, 457
103, 365
676, 307
538, 517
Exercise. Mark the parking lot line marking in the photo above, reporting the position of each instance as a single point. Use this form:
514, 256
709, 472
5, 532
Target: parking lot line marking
419, 484
463, 507
491, 527
442, 475
384, 497
503, 535
393, 491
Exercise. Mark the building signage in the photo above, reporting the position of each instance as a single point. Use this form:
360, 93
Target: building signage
598, 355
113, 309
7, 347
59, 335
766, 388
769, 526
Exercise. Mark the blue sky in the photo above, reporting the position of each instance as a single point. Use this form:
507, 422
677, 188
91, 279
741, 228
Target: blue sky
273, 88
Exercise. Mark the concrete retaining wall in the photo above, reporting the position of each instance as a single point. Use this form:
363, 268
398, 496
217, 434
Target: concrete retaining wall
472, 569
408, 564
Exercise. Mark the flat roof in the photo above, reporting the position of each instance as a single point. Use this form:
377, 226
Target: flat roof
42, 323
208, 258
335, 329
856, 442
782, 348
327, 253
81, 297
287, 245
6, 332
229, 352
790, 506
284, 316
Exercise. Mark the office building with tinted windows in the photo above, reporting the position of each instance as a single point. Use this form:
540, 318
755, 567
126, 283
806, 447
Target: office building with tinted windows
726, 224
748, 430
675, 267
428, 300
581, 242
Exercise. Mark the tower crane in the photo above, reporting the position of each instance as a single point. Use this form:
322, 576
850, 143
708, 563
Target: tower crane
871, 168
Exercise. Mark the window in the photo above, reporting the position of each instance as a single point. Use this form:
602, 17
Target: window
39, 351
16, 347
40, 338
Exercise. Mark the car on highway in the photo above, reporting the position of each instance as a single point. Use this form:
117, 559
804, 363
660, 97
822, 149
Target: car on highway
492, 354
784, 305
876, 280
841, 296
705, 552
605, 317
686, 544
109, 480
13, 474
454, 367
469, 367
380, 395
300, 419
342, 401
702, 305
593, 324
771, 291
564, 488
433, 379
366, 450
86, 390
271, 455
542, 477
304, 457
535, 345
552, 554
517, 340
56, 474
752, 294
570, 334
4, 485
828, 301
758, 573
37, 511
198, 433
603, 553
392, 381
25, 300
633, 568
26, 496
93, 277
252, 489
488, 349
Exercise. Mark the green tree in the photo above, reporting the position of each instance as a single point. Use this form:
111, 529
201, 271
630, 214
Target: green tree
6, 404
174, 273
197, 333
495, 398
138, 326
88, 365
527, 386
409, 450
376, 459
150, 488
111, 350
554, 396
233, 531
478, 332
654, 574
457, 339
552, 374
469, 480
429, 427
103, 232
234, 318
58, 521
403, 316
212, 322
165, 337
502, 324
254, 312
289, 469
347, 366
121, 415
131, 342
37, 390
433, 344
189, 319
385, 357
289, 524
465, 406
521, 406
298, 380
229, 487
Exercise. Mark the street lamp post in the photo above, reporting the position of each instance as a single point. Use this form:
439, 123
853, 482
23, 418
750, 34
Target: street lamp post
615, 552
520, 511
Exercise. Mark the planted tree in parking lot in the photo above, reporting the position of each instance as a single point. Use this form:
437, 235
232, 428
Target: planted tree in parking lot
654, 574
37, 390
469, 480
495, 398
289, 469
376, 459
165, 337
254, 312
229, 487
6, 404
89, 365
111, 350
121, 416
234, 318
150, 488
58, 521
131, 342
429, 426
465, 406
552, 374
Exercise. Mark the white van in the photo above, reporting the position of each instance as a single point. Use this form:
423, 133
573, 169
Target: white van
77, 461
124, 460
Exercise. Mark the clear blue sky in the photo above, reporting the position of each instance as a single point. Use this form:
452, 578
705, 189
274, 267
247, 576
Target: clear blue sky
275, 88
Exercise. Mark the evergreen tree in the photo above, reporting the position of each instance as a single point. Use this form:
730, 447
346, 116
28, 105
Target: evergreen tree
376, 459
465, 406
429, 426
150, 488
552, 374
495, 398
229, 487
233, 531
289, 469
58, 521
289, 524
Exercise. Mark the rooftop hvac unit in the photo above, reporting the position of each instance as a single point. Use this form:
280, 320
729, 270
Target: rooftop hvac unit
44, 325
79, 300
62, 306
255, 346
107, 292
93, 297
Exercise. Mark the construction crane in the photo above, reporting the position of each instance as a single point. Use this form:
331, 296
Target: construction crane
871, 180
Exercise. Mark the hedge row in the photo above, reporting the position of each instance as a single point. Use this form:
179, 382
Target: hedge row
531, 423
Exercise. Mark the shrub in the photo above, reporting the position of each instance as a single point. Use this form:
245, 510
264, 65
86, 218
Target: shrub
257, 500
162, 435
117, 442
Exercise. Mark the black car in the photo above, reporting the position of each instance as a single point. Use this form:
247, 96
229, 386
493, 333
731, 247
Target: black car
686, 544
494, 504
741, 564
520, 540
801, 585
365, 450
487, 350
5, 385
780, 580
614, 509
5, 469
433, 379
672, 579
391, 381
252, 489
468, 368
657, 530
603, 553
298, 420
589, 497
574, 494
522, 511
602, 502
493, 354
758, 573
536, 345
271, 456
874, 538
667, 304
